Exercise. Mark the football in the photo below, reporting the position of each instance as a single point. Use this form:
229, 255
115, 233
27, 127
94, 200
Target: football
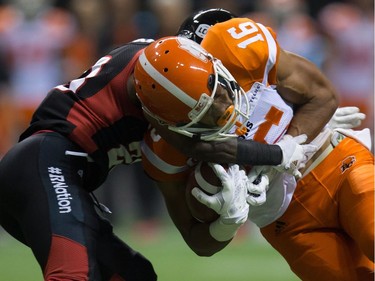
203, 177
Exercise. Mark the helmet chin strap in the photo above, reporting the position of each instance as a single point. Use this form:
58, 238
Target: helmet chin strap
223, 120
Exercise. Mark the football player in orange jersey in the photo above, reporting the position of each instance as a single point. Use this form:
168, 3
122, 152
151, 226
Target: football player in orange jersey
190, 113
333, 202
80, 131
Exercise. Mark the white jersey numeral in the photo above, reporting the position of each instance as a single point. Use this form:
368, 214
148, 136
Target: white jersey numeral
75, 84
244, 29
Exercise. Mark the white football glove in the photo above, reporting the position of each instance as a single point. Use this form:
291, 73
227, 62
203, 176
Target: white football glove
346, 118
258, 184
230, 203
295, 154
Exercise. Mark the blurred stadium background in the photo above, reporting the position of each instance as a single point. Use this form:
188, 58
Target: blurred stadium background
44, 43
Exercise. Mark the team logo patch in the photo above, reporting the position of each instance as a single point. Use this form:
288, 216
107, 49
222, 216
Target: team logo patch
347, 163
202, 30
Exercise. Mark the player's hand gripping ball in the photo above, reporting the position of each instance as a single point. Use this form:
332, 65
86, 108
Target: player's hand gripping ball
204, 178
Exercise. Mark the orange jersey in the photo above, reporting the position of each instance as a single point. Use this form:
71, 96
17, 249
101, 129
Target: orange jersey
160, 160
249, 51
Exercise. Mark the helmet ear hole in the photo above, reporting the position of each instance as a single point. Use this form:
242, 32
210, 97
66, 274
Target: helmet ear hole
165, 69
211, 82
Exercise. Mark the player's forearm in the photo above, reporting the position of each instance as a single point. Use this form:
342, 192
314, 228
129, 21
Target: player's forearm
314, 98
235, 150
244, 152
314, 107
311, 118
239, 151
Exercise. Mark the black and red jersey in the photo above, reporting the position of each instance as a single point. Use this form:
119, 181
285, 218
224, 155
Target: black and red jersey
95, 110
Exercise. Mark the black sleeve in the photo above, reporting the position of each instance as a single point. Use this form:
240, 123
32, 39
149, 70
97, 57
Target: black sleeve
256, 153
244, 152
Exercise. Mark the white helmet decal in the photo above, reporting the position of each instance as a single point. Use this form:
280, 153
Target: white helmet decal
202, 30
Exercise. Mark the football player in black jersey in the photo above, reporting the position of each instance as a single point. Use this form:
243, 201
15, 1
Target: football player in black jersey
77, 134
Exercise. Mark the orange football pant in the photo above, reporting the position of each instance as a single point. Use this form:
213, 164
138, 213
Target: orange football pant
327, 232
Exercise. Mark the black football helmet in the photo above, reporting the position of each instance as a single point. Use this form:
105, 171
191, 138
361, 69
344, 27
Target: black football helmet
195, 26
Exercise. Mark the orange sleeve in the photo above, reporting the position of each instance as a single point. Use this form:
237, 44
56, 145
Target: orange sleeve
247, 49
161, 161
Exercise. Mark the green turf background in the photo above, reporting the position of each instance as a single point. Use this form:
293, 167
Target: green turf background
248, 258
